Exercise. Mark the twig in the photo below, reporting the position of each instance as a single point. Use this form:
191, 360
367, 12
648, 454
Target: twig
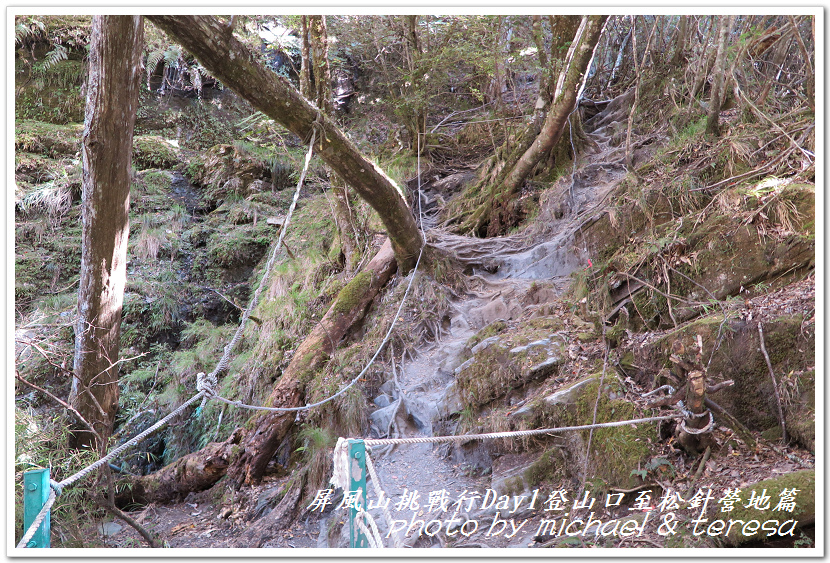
746, 175
62, 403
742, 431
804, 52
719, 386
111, 508
700, 467
763, 116
774, 383
667, 296
458, 113
229, 300
45, 356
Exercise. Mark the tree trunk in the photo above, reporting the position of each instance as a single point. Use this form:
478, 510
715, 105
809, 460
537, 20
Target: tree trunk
680, 49
712, 126
496, 212
414, 120
269, 429
545, 87
564, 102
115, 72
345, 226
320, 55
305, 67
192, 473
234, 64
322, 81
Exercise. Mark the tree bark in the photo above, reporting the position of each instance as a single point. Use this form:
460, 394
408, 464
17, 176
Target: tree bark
322, 81
194, 472
234, 64
680, 49
269, 429
345, 227
115, 74
712, 125
496, 211
320, 55
305, 67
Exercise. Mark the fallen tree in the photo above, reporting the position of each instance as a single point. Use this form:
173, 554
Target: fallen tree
245, 455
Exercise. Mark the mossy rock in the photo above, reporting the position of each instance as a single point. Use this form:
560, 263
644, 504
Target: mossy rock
616, 451
492, 329
804, 511
151, 151
509, 360
48, 139
242, 245
225, 170
801, 415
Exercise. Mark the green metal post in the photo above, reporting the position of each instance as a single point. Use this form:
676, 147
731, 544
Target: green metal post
357, 482
35, 495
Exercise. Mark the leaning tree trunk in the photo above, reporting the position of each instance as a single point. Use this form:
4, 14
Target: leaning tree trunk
261, 443
115, 73
496, 211
246, 453
226, 58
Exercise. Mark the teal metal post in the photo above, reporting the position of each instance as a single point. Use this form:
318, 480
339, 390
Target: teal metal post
357, 482
35, 495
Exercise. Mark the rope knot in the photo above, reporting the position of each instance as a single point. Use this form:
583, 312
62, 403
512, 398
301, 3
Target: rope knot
206, 383
689, 415
57, 487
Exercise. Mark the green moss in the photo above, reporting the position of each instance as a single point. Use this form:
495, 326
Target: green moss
491, 375
615, 451
48, 139
494, 328
352, 293
545, 469
150, 151
242, 245
805, 501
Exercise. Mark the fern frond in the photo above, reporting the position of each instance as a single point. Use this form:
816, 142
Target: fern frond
172, 55
153, 60
30, 30
53, 57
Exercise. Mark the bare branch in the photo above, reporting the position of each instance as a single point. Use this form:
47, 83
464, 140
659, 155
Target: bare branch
61, 402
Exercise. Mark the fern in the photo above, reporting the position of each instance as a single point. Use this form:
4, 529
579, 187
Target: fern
172, 55
152, 61
53, 57
33, 30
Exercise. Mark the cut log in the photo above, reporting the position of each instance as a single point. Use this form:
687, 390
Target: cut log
192, 473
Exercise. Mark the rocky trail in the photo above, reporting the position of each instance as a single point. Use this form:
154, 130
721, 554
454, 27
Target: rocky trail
424, 392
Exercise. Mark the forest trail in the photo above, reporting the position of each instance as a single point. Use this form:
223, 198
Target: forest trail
503, 270
503, 279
